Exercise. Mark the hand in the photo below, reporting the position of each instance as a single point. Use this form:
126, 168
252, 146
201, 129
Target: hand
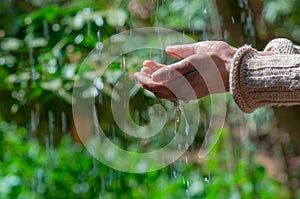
203, 70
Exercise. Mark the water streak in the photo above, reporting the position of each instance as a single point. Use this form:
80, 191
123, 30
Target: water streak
46, 30
32, 64
187, 188
51, 128
33, 124
177, 116
123, 63
63, 122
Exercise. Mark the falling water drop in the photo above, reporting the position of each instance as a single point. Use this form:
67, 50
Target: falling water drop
150, 54
32, 64
156, 15
89, 28
232, 20
63, 122
137, 121
99, 46
172, 167
177, 116
187, 188
123, 63
95, 122
174, 174
137, 117
111, 177
206, 19
51, 127
189, 15
89, 21
33, 121
102, 184
60, 59
50, 121
39, 175
47, 144
206, 179
186, 146
37, 114
99, 36
46, 30
119, 179
179, 146
162, 54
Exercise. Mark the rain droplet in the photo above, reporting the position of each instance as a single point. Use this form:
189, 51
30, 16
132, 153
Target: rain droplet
99, 21
28, 20
56, 27
206, 179
177, 116
78, 21
186, 145
14, 108
179, 146
51, 127
79, 38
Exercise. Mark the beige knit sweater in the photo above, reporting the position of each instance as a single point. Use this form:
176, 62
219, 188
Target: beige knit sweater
257, 81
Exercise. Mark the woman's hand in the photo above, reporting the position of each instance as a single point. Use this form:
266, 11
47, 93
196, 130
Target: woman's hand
203, 70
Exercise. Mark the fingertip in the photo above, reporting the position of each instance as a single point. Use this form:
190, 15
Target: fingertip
134, 75
172, 54
149, 63
181, 51
148, 71
170, 50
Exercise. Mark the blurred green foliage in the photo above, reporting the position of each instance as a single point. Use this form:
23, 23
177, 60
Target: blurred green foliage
283, 18
29, 170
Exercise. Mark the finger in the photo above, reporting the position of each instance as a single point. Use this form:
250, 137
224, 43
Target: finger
147, 70
173, 71
181, 51
158, 90
144, 79
153, 65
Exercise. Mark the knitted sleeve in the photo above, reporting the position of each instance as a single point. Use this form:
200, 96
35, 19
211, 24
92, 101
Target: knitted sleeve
257, 81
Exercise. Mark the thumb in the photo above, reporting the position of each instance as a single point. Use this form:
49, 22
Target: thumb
181, 51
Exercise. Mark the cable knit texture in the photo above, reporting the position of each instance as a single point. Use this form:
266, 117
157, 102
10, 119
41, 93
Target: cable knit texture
257, 81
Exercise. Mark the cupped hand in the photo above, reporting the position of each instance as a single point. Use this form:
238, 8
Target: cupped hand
203, 70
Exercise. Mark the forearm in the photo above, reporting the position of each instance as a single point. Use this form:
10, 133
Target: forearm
257, 81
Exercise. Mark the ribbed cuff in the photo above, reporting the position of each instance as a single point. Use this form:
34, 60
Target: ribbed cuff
281, 46
257, 81
237, 67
